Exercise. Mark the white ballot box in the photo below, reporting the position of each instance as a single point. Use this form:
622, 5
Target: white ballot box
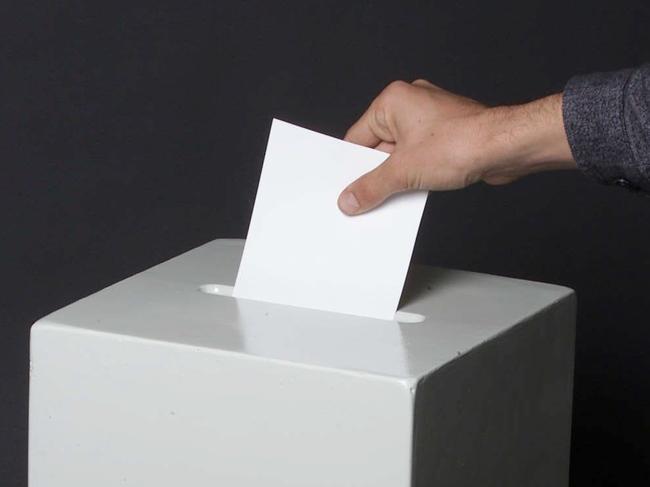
164, 379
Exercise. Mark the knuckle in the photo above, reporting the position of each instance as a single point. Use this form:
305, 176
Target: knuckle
379, 118
388, 102
423, 83
365, 191
397, 88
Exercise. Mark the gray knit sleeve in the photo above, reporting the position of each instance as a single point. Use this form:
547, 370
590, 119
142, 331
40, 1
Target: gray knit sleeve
607, 121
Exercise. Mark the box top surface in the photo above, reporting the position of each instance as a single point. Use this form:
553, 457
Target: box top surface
461, 309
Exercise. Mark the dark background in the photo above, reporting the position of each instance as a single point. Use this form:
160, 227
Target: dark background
131, 132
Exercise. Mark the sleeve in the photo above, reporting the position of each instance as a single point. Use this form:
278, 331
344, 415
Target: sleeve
607, 122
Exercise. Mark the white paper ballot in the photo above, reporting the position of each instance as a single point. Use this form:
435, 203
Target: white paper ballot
302, 251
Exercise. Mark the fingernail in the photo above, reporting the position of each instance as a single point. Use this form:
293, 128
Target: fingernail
348, 203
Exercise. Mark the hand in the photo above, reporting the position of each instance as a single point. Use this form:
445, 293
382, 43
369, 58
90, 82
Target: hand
441, 141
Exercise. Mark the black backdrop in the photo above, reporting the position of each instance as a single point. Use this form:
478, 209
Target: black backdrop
131, 132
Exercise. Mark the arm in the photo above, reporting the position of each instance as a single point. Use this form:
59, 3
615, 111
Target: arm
441, 141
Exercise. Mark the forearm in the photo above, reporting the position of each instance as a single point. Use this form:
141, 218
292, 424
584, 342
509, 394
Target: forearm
524, 139
600, 124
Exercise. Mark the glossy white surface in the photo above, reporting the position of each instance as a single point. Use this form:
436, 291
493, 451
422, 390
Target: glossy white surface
153, 381
164, 303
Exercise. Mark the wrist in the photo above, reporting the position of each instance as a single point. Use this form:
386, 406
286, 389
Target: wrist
524, 139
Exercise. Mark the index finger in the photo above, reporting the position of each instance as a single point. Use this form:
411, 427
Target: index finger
361, 131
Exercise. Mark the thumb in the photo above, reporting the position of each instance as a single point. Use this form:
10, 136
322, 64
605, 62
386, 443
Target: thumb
372, 188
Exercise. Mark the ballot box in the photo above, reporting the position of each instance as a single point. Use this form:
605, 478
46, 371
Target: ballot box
164, 379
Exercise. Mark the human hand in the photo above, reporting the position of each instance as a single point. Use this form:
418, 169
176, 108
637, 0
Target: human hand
441, 141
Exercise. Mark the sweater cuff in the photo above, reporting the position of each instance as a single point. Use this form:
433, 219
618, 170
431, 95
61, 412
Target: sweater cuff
593, 112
